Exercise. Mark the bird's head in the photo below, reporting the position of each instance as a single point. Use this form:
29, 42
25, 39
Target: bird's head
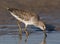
41, 25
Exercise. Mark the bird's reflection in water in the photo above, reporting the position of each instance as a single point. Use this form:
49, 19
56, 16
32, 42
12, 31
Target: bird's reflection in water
20, 39
44, 40
26, 40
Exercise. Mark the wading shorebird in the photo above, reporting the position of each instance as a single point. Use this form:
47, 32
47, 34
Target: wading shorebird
28, 18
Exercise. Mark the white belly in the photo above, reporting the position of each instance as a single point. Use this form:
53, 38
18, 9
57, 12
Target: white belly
30, 22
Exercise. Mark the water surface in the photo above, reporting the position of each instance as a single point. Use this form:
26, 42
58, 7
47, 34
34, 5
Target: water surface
37, 37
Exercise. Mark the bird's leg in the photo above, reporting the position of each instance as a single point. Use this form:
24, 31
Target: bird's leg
45, 35
27, 34
20, 30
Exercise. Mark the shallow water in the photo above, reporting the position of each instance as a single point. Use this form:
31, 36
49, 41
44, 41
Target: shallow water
11, 37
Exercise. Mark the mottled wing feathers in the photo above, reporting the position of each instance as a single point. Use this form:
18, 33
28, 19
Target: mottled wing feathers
24, 14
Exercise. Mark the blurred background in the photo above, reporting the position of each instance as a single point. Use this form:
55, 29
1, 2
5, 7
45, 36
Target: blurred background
48, 10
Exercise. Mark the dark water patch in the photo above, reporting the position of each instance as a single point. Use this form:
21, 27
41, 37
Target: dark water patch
50, 27
33, 28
